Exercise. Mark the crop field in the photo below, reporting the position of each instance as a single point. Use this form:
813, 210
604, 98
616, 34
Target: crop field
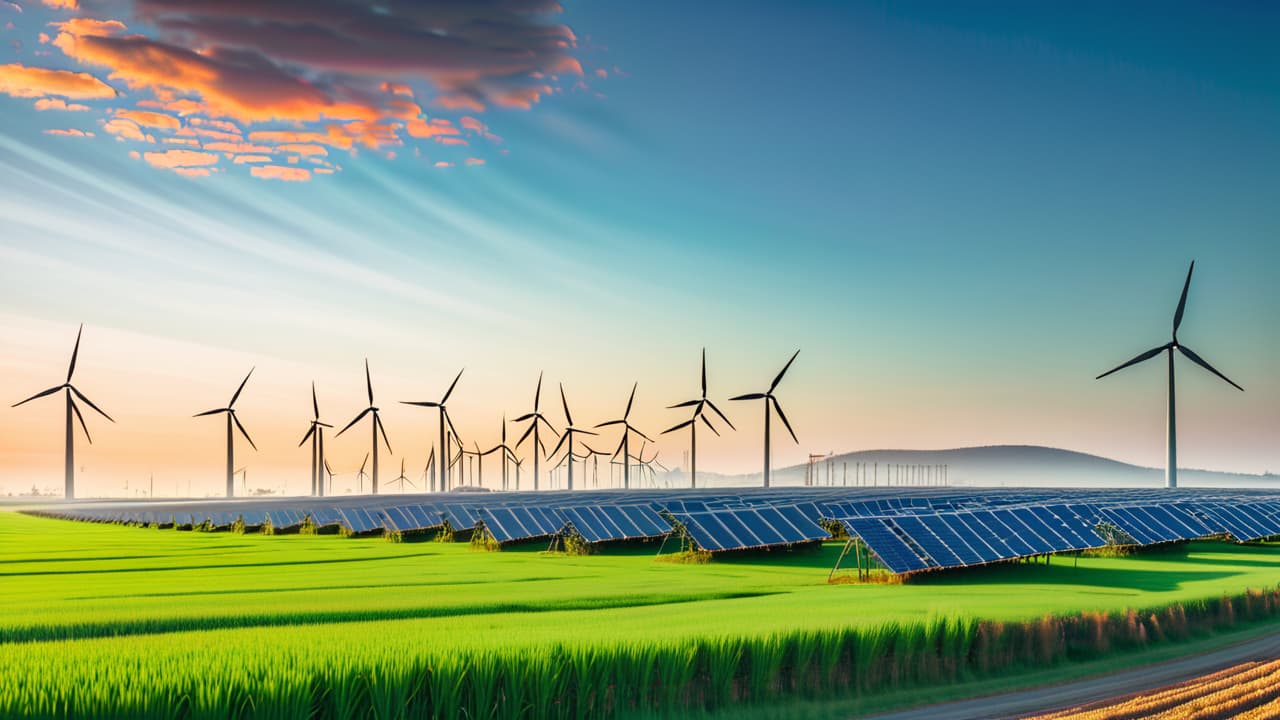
132, 622
1249, 691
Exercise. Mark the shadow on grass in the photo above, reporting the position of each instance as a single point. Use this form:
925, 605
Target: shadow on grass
321, 588
213, 566
155, 626
1064, 573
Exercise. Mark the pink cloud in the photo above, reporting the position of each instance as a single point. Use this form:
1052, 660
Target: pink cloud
59, 104
280, 172
170, 159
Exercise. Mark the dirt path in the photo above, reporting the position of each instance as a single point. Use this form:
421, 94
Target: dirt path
1053, 697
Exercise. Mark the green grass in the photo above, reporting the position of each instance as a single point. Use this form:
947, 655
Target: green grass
145, 621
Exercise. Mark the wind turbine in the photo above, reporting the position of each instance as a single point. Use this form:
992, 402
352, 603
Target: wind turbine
595, 456
377, 425
445, 423
517, 462
69, 491
426, 470
327, 470
316, 434
403, 479
1171, 463
361, 475
231, 418
506, 451
771, 405
569, 432
535, 417
627, 429
698, 405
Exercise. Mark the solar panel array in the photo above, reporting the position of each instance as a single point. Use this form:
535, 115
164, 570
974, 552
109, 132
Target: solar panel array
906, 529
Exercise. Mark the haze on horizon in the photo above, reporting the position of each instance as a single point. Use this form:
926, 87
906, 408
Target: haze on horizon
959, 215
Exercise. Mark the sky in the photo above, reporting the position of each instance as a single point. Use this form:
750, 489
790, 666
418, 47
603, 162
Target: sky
959, 213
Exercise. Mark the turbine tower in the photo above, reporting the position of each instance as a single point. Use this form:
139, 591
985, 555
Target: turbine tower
377, 425
316, 434
69, 489
1171, 462
569, 432
627, 429
698, 405
770, 406
360, 476
534, 417
231, 418
446, 424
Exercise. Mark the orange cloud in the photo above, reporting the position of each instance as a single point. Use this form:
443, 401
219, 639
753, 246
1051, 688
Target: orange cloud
146, 118
59, 104
459, 101
236, 147
301, 149
333, 137
280, 172
192, 172
88, 26
397, 89
521, 98
180, 141
323, 171
216, 134
32, 82
62, 4
451, 141
242, 159
475, 161
125, 128
422, 129
222, 125
602, 73
69, 133
442, 163
170, 159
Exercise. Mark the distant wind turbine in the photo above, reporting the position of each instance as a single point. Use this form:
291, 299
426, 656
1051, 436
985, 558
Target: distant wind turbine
377, 425
360, 476
627, 429
1171, 462
698, 406
507, 452
231, 418
316, 434
595, 456
535, 417
329, 471
569, 432
770, 406
69, 489
445, 424
403, 478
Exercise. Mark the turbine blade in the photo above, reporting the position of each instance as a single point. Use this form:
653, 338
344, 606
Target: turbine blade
783, 417
611, 422
243, 432
550, 427
674, 428
581, 432
353, 422
1182, 301
378, 421
722, 417
366, 462
685, 404
89, 402
239, 389
1141, 358
40, 394
563, 437
305, 438
704, 372
784, 371
449, 421
424, 403
452, 385
537, 394
708, 422
630, 400
565, 402
526, 434
314, 402
210, 412
327, 468
72, 367
634, 430
1204, 364
368, 381
523, 417
85, 428
749, 396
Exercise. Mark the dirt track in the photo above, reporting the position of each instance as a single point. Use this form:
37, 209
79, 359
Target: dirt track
1053, 697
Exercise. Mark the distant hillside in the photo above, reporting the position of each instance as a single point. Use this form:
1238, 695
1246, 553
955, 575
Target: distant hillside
994, 465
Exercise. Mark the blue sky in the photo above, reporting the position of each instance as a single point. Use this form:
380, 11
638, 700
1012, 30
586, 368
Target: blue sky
960, 213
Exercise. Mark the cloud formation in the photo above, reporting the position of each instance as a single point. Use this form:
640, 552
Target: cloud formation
302, 78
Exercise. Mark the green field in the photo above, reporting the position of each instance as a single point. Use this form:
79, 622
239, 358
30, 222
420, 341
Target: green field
140, 621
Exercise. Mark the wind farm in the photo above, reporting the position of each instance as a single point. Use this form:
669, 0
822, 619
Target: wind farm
869, 268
